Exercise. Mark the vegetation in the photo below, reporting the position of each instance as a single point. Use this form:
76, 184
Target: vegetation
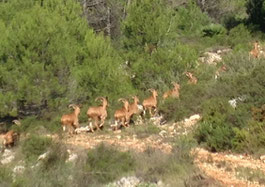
51, 56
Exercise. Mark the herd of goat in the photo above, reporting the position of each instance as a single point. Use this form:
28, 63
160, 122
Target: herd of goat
123, 116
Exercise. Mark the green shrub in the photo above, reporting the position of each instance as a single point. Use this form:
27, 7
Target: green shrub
239, 37
213, 30
189, 102
5, 176
251, 138
216, 137
190, 19
34, 146
216, 128
49, 172
153, 165
106, 164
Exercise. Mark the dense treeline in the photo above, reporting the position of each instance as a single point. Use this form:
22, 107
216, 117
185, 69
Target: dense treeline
51, 57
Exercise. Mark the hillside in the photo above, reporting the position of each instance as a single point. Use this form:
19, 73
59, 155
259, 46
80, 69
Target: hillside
176, 87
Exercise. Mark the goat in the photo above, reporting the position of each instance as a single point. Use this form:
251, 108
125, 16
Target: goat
9, 138
223, 68
172, 93
98, 113
150, 102
133, 109
256, 51
122, 114
71, 120
192, 78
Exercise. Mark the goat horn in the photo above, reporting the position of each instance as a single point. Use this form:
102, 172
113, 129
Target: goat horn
121, 99
72, 105
101, 98
17, 122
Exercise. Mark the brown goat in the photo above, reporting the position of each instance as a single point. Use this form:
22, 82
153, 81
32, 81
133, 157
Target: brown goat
122, 114
256, 51
151, 102
223, 68
98, 113
172, 93
133, 109
71, 120
192, 78
10, 138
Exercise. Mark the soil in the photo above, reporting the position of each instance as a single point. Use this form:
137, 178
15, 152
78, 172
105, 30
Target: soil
221, 167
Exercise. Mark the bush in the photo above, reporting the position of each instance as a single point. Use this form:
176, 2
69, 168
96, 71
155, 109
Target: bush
106, 164
153, 165
34, 146
216, 129
213, 30
49, 172
239, 37
189, 102
5, 176
250, 139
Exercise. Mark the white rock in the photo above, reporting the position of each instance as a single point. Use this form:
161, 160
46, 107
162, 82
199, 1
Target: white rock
195, 117
43, 156
233, 102
140, 107
7, 153
8, 156
72, 157
128, 182
82, 129
163, 133
8, 159
211, 58
118, 137
160, 183
18, 169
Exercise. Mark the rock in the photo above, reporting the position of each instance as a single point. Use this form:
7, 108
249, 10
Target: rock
18, 169
233, 102
163, 133
195, 117
160, 183
128, 182
211, 58
43, 156
156, 119
72, 156
119, 137
8, 157
262, 158
82, 129
171, 128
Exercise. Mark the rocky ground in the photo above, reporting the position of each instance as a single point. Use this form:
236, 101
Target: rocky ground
226, 168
